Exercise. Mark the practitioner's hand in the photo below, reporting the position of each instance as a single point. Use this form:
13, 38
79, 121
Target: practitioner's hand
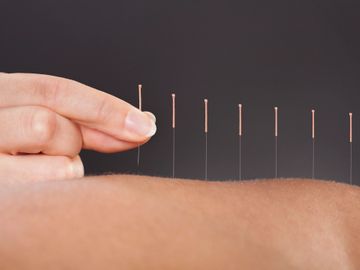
50, 119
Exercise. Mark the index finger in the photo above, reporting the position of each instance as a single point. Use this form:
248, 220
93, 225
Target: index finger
76, 101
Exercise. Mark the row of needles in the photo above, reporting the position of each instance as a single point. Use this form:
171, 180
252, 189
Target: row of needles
240, 135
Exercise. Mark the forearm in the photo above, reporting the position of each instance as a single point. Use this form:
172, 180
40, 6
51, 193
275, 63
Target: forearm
130, 222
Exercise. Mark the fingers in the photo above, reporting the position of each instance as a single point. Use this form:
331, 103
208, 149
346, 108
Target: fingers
30, 168
96, 140
99, 141
78, 102
32, 129
151, 115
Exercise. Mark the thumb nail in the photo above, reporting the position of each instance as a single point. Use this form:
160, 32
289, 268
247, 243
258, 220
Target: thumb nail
137, 122
151, 115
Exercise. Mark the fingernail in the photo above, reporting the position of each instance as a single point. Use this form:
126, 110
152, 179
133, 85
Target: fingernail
77, 168
151, 115
139, 123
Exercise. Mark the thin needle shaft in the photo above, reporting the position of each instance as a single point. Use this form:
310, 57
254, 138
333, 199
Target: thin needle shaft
351, 150
313, 143
206, 137
173, 135
140, 108
276, 141
240, 141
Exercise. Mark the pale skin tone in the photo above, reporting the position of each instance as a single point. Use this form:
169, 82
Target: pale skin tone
139, 222
51, 119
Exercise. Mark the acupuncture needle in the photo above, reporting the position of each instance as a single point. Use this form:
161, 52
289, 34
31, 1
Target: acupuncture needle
313, 142
240, 142
140, 108
276, 140
206, 136
350, 145
173, 135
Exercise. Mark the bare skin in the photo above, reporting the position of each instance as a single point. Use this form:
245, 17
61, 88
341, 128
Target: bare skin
133, 222
50, 119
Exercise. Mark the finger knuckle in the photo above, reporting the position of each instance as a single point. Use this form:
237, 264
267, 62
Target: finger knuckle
47, 88
42, 126
102, 110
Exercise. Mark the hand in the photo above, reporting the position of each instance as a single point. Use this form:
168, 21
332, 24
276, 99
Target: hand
45, 121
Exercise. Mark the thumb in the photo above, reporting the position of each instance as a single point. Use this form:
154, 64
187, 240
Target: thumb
31, 168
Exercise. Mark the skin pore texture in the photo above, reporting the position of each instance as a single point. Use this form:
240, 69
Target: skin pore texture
141, 222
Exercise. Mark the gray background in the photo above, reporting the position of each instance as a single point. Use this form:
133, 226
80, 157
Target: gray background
293, 54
